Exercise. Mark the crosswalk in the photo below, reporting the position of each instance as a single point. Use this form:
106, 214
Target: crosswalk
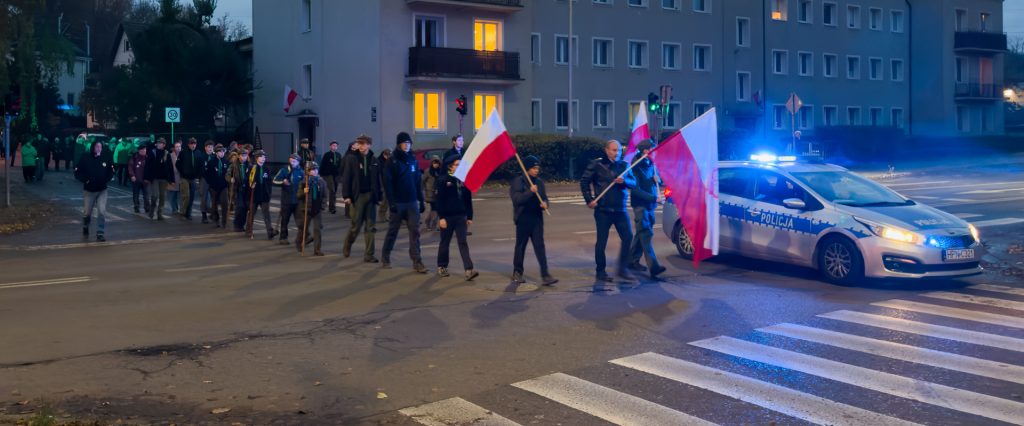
902, 362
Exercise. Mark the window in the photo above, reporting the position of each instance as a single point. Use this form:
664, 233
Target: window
963, 120
961, 20
637, 3
736, 181
307, 15
307, 81
805, 12
487, 35
780, 62
853, 116
634, 109
637, 54
829, 67
670, 55
853, 67
603, 114
896, 70
562, 114
778, 116
535, 48
780, 10
896, 120
670, 4
701, 57
562, 50
603, 1
535, 114
428, 111
127, 45
983, 24
602, 56
743, 32
875, 19
959, 71
772, 188
699, 108
896, 21
805, 117
743, 86
853, 16
703, 6
875, 116
429, 31
830, 114
828, 14
671, 118
806, 63
483, 104
875, 68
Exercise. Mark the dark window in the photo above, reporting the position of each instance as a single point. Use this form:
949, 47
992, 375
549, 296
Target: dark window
737, 182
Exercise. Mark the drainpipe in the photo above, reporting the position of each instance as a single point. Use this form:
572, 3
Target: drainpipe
910, 64
764, 70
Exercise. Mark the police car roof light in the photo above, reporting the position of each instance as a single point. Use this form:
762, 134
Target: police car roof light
764, 158
787, 158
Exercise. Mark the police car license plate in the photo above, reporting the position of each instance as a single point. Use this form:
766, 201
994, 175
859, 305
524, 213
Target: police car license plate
958, 254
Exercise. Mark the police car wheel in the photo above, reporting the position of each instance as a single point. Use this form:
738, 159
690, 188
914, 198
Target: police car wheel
682, 241
839, 261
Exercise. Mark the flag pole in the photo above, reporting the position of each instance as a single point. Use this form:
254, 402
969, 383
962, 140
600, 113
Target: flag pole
631, 166
305, 216
527, 174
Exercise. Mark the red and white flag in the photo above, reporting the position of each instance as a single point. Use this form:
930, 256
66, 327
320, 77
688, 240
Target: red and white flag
491, 147
640, 132
289, 97
688, 163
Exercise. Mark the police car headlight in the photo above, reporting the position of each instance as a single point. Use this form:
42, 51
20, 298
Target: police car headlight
891, 232
974, 233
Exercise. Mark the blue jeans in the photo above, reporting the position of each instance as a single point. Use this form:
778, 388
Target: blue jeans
605, 220
172, 197
643, 217
97, 201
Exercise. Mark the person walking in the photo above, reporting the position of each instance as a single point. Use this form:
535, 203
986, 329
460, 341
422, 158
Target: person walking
289, 178
204, 186
260, 184
610, 210
137, 176
455, 207
238, 176
456, 150
384, 212
305, 152
528, 203
429, 178
404, 192
330, 172
190, 166
360, 186
644, 199
215, 177
159, 176
174, 187
94, 171
28, 160
313, 196
122, 155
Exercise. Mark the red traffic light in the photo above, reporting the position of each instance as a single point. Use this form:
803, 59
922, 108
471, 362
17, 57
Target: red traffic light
460, 104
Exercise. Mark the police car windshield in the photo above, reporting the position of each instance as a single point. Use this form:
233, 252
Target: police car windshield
842, 187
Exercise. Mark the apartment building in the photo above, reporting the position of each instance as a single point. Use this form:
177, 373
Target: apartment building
380, 67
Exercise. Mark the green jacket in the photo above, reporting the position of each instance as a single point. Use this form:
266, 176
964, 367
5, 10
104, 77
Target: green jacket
28, 155
123, 152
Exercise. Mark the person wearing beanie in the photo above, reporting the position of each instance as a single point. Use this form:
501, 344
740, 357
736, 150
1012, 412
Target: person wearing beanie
402, 180
455, 207
360, 187
529, 202
312, 220
429, 178
644, 198
215, 177
330, 171
289, 178
258, 186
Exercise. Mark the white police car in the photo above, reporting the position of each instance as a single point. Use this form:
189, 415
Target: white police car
825, 217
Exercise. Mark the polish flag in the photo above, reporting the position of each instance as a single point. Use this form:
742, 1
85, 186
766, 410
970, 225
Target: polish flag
640, 132
688, 163
491, 147
289, 97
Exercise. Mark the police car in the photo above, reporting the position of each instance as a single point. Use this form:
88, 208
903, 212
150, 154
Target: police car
828, 218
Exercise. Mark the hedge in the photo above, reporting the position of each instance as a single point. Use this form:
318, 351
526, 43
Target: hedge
561, 157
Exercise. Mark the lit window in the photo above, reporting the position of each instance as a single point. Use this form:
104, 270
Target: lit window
428, 109
779, 10
487, 35
483, 104
634, 109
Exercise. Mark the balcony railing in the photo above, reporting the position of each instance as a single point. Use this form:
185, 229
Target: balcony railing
980, 41
498, 5
978, 91
443, 62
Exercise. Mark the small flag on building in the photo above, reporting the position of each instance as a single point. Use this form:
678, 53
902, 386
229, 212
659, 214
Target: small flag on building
491, 147
641, 131
289, 97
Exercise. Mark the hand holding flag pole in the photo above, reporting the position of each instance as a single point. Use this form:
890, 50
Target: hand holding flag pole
631, 166
530, 181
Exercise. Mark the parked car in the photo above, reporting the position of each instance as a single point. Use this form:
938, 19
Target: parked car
423, 156
825, 217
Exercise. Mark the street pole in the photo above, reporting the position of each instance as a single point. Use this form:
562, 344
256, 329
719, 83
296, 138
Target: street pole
8, 160
792, 124
569, 49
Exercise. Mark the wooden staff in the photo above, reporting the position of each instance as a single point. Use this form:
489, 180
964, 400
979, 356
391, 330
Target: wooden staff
252, 199
527, 174
305, 216
638, 160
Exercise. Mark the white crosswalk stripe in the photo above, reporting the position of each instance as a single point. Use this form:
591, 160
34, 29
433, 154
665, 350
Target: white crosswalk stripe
970, 298
931, 330
945, 311
455, 411
999, 289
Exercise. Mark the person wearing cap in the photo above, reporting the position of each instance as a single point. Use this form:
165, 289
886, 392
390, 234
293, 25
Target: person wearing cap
305, 152
237, 176
259, 182
456, 150
315, 191
429, 178
158, 175
610, 210
455, 207
330, 171
360, 187
404, 191
528, 204
215, 177
190, 168
352, 151
137, 175
644, 198
174, 187
289, 178
204, 187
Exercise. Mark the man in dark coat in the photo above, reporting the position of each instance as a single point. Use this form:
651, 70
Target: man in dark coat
311, 195
644, 199
455, 207
95, 172
215, 176
259, 183
159, 173
402, 187
330, 172
610, 210
528, 203
360, 186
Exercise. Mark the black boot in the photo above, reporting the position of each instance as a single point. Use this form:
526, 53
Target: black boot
205, 220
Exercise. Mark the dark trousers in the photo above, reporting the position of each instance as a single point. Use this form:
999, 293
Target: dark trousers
643, 219
313, 224
140, 187
605, 220
288, 210
364, 215
332, 188
121, 173
529, 229
241, 201
265, 206
29, 173
456, 225
219, 202
410, 214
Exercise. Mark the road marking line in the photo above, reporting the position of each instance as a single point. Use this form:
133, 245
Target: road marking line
777, 398
917, 355
998, 222
946, 311
979, 300
918, 183
115, 243
585, 232
430, 246
999, 289
605, 403
56, 281
502, 239
455, 411
903, 387
959, 200
987, 201
202, 268
967, 215
990, 191
969, 185
931, 330
924, 197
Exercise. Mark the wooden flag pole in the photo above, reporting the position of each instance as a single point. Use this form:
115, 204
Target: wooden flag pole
638, 160
527, 174
305, 216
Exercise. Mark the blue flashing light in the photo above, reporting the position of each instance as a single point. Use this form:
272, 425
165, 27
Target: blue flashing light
764, 157
789, 158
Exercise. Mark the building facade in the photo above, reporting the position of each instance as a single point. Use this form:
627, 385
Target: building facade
388, 66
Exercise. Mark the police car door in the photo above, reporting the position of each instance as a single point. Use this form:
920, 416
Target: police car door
735, 190
776, 231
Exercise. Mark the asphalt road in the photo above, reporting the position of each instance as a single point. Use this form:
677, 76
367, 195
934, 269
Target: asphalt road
169, 321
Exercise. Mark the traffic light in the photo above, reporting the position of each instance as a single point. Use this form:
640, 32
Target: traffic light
460, 105
12, 104
652, 103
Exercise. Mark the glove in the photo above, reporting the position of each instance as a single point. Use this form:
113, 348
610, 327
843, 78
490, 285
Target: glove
423, 207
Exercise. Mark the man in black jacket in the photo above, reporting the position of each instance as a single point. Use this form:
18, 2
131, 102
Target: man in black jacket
404, 192
610, 210
312, 221
190, 167
644, 199
457, 149
529, 203
259, 182
94, 171
330, 172
159, 172
360, 186
215, 177
306, 154
455, 207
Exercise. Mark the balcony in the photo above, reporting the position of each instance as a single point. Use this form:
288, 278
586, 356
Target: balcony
506, 6
979, 42
455, 65
978, 92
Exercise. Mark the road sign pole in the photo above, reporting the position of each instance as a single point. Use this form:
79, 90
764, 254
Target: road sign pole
172, 133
